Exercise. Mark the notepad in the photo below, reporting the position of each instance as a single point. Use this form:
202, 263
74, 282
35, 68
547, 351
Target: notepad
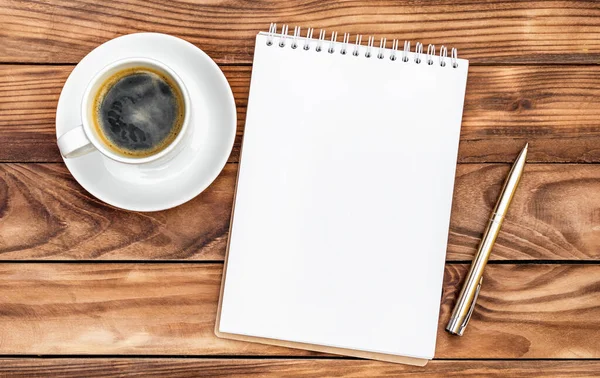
342, 208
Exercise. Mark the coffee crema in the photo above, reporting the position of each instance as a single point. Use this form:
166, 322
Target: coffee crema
138, 112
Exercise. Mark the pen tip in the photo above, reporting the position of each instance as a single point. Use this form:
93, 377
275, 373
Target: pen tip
526, 146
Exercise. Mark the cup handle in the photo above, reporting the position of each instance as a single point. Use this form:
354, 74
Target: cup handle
74, 143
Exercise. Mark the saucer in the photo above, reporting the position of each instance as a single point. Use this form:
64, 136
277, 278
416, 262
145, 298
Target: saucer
161, 186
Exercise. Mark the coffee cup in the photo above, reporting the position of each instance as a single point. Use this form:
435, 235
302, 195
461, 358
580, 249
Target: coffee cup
134, 111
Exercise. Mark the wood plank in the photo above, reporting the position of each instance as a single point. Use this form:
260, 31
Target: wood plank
291, 368
484, 32
45, 214
524, 311
552, 216
556, 109
28, 99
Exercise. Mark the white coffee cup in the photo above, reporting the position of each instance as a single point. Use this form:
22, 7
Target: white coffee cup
84, 138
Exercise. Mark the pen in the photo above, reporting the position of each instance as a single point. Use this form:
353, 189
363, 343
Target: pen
463, 309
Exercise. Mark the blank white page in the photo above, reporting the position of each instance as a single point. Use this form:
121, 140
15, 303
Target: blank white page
343, 201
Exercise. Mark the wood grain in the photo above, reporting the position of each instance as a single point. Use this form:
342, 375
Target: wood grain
484, 32
524, 311
534, 77
553, 215
291, 368
555, 109
45, 214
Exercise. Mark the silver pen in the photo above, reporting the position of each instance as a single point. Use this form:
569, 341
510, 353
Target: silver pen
463, 309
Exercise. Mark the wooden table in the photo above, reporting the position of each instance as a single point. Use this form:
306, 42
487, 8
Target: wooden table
87, 289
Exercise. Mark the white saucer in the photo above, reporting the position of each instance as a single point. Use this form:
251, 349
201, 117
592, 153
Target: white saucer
213, 126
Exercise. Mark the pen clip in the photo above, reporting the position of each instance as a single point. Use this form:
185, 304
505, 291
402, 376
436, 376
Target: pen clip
468, 317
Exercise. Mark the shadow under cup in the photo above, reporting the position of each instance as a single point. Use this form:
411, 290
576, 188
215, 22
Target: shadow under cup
136, 111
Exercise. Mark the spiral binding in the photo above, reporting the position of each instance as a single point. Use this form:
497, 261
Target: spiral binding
332, 46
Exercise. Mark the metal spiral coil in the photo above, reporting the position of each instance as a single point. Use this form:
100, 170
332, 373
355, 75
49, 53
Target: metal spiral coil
332, 46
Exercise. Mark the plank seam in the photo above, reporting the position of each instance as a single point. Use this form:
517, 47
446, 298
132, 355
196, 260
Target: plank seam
220, 262
459, 163
249, 64
255, 357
